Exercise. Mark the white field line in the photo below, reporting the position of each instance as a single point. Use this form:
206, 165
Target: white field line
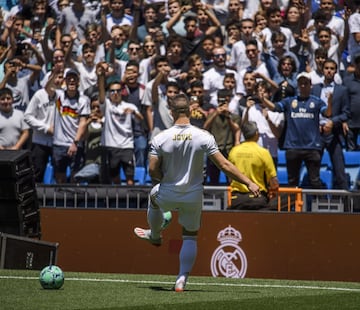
300, 287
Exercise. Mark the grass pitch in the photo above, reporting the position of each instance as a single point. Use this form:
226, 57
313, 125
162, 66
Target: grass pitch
22, 290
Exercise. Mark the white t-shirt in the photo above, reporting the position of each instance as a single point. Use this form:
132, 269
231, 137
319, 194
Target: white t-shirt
67, 116
88, 75
118, 131
267, 138
290, 40
238, 56
20, 93
39, 115
11, 126
213, 81
240, 88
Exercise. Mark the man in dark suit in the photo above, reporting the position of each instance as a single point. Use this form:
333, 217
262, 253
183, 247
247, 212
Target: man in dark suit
331, 128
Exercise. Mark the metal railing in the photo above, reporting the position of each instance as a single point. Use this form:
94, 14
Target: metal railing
215, 198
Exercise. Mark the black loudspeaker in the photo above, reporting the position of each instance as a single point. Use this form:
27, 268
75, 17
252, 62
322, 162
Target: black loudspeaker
15, 164
26, 253
19, 206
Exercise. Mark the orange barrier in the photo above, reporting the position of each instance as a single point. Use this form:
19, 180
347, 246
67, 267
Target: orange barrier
290, 191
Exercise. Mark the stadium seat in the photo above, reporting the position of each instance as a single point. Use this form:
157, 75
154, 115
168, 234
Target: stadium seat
49, 173
326, 177
139, 175
281, 158
223, 179
282, 175
148, 178
352, 158
325, 161
122, 176
68, 173
352, 166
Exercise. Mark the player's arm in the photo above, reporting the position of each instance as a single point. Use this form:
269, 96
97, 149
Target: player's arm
233, 173
155, 169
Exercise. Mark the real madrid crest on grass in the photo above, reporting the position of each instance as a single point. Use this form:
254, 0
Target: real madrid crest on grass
229, 260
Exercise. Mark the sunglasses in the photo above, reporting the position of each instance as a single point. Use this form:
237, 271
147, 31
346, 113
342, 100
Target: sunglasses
58, 58
134, 48
113, 91
219, 55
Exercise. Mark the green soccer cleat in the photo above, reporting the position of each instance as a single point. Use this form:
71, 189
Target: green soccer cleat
167, 220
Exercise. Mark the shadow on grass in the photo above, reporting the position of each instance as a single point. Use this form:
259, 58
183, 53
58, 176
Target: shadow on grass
167, 289
328, 302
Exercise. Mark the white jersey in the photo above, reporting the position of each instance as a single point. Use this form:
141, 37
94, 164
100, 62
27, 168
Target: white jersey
67, 116
39, 115
118, 131
181, 149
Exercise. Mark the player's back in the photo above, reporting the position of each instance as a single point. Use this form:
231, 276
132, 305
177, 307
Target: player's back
182, 149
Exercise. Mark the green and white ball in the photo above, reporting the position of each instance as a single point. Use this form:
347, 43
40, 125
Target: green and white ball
51, 277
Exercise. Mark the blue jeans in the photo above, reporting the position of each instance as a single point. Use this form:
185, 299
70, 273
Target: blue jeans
140, 150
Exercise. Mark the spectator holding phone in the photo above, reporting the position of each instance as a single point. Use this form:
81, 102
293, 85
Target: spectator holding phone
225, 127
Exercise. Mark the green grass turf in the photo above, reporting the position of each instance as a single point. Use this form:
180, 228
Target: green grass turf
22, 290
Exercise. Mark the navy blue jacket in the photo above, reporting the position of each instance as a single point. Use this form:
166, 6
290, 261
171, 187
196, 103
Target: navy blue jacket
340, 105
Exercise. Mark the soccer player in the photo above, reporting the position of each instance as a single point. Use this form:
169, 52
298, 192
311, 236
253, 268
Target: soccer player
175, 162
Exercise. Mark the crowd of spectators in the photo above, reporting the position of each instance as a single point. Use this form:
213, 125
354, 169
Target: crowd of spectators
93, 80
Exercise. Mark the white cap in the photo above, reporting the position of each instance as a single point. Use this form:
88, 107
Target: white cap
304, 75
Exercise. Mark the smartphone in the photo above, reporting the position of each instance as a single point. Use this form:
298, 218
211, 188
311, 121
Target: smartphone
221, 101
194, 99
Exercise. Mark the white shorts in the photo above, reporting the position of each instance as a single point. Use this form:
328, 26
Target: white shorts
188, 205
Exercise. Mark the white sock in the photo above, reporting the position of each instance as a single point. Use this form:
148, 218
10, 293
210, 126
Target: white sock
187, 254
155, 220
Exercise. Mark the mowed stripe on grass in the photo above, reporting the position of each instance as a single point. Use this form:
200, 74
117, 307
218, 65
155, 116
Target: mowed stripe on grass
302, 287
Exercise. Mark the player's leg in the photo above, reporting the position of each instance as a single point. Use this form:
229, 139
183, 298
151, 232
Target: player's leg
154, 213
155, 220
187, 257
189, 219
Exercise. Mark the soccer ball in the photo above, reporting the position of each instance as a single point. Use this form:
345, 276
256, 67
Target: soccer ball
51, 277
